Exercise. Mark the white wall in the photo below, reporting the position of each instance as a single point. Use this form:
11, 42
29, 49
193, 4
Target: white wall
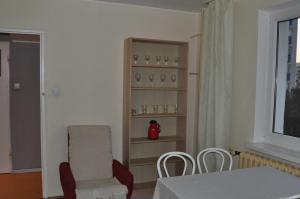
84, 61
244, 69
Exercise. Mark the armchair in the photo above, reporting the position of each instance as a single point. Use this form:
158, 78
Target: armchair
91, 172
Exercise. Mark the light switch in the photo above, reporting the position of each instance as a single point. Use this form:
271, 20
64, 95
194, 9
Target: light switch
16, 86
56, 92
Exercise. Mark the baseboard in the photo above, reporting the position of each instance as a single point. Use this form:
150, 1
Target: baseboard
27, 170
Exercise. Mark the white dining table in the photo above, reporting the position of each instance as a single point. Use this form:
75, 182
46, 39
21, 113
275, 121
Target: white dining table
252, 183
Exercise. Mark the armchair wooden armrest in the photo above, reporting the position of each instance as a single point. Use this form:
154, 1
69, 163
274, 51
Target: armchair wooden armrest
67, 181
123, 174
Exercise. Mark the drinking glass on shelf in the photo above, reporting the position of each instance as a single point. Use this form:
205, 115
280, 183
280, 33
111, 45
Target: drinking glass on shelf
176, 61
147, 59
151, 79
158, 60
163, 78
155, 108
144, 109
138, 78
166, 60
133, 111
166, 108
175, 108
173, 79
135, 58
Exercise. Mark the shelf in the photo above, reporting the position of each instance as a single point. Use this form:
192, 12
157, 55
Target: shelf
141, 140
159, 66
157, 115
136, 94
149, 161
158, 89
144, 185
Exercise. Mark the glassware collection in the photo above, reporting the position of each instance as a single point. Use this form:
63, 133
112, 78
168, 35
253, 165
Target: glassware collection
158, 79
155, 109
161, 78
156, 60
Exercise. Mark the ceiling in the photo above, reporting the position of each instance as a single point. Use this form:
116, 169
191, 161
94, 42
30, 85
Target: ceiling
183, 5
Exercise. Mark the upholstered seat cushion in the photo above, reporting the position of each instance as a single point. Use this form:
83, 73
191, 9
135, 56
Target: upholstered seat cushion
100, 189
90, 152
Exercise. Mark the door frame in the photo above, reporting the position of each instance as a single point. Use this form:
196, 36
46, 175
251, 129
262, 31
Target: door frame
7, 170
42, 100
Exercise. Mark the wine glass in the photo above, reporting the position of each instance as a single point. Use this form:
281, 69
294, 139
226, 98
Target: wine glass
135, 58
151, 79
138, 77
155, 108
175, 108
158, 59
176, 60
144, 109
166, 108
147, 58
163, 78
173, 79
166, 60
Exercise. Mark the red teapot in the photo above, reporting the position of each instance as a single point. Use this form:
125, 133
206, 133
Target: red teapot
153, 130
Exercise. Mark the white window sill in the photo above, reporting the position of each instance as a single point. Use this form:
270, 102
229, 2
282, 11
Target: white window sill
275, 152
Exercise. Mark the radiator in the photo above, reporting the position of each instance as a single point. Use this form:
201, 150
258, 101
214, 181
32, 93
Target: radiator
248, 160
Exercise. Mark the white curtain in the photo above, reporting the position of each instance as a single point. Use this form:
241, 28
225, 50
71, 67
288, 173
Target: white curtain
216, 76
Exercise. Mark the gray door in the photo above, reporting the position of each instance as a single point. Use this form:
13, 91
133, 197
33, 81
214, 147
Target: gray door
25, 105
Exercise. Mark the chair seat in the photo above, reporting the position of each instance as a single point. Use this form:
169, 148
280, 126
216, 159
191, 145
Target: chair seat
109, 188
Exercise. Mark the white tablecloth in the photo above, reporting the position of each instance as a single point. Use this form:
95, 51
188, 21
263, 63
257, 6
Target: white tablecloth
254, 183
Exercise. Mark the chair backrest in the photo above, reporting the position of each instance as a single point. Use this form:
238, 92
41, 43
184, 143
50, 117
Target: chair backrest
202, 158
177, 154
90, 152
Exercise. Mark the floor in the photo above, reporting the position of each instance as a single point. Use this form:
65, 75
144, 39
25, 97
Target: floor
137, 194
142, 194
21, 186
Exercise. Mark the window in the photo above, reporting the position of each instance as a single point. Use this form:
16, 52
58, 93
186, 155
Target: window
286, 114
277, 77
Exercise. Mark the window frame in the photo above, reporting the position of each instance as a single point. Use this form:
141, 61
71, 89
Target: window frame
268, 20
276, 73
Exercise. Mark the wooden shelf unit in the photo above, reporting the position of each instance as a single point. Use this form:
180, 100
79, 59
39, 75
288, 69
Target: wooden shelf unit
139, 153
159, 66
141, 140
149, 161
150, 115
144, 185
158, 89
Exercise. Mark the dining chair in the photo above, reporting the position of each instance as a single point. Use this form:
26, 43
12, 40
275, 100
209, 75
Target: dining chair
183, 156
202, 156
297, 196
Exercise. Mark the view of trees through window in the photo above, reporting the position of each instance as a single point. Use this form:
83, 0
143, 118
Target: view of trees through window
287, 90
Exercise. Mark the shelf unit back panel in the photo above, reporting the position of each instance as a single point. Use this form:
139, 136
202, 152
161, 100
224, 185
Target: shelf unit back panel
140, 128
148, 173
152, 98
151, 149
154, 49
158, 81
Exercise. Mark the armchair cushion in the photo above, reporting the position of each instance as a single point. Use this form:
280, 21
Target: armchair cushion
90, 154
100, 189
